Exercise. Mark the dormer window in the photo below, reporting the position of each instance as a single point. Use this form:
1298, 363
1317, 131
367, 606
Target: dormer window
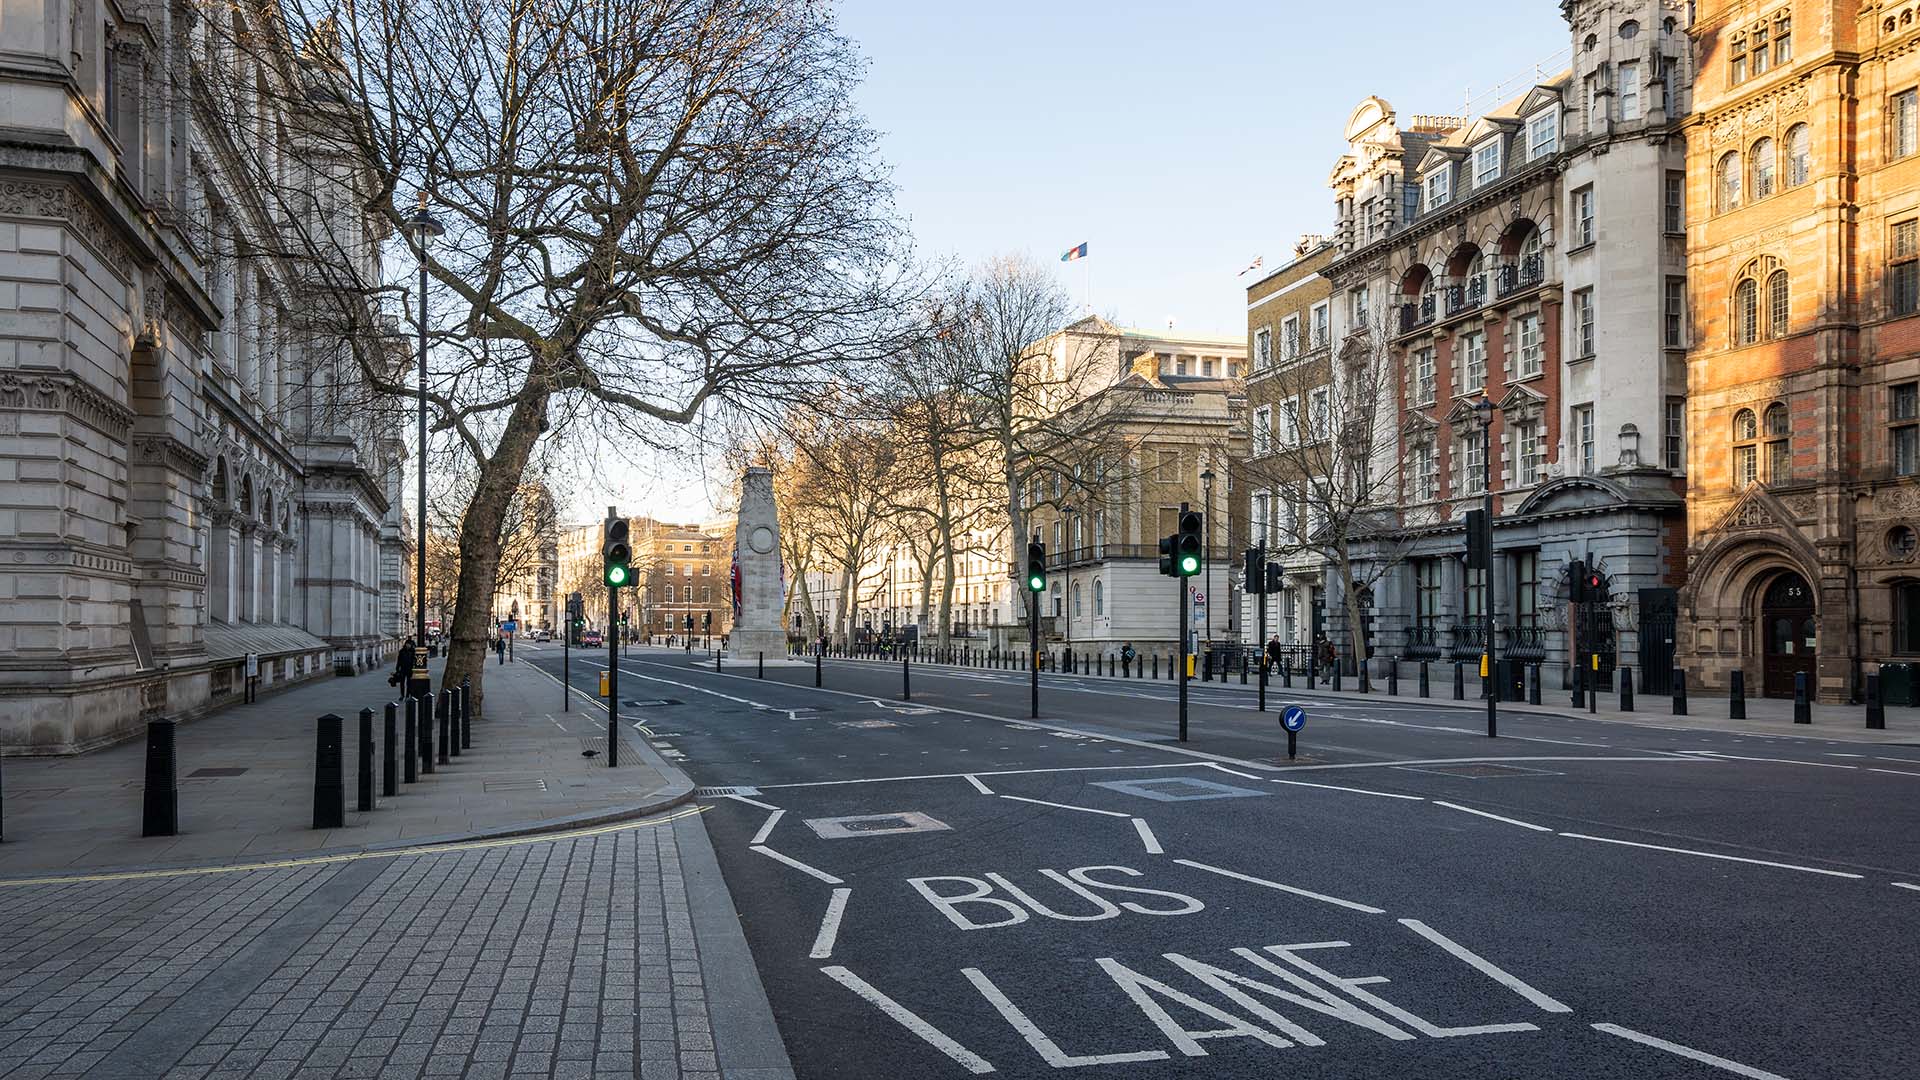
1438, 188
1543, 134
1486, 162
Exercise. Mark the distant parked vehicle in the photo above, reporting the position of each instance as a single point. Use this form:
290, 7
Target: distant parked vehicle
591, 637
543, 635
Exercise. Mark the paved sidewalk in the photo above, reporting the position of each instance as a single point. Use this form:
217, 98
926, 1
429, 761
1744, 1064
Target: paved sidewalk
525, 772
1765, 716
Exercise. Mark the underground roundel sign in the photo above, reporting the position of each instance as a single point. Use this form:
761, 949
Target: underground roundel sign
1293, 718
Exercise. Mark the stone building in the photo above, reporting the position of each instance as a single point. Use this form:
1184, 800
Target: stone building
194, 471
530, 570
680, 571
1289, 348
1803, 216
1527, 268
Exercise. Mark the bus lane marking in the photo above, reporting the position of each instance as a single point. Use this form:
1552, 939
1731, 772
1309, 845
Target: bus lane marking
910, 1020
796, 864
830, 924
1250, 879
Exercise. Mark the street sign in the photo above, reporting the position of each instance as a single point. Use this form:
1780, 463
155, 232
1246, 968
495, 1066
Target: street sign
510, 627
1199, 598
1293, 718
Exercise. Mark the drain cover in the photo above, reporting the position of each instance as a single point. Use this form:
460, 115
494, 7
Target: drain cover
220, 771
906, 821
717, 792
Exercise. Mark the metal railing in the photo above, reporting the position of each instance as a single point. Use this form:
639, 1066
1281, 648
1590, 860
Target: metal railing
1525, 274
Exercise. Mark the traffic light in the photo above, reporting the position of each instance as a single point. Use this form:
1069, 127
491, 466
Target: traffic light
1597, 585
689, 620
1577, 581
1166, 556
709, 620
1276, 579
616, 555
1479, 537
1188, 550
1256, 575
1036, 567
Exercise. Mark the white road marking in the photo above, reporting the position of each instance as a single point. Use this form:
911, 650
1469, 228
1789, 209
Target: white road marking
1894, 772
958, 776
1064, 806
1146, 837
1485, 967
1496, 817
796, 864
1905, 885
1714, 855
1048, 1050
978, 786
1230, 772
1681, 757
1701, 1056
750, 802
830, 924
1354, 790
908, 1019
1349, 904
1769, 760
767, 829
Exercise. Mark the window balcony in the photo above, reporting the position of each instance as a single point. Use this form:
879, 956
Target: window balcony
1525, 274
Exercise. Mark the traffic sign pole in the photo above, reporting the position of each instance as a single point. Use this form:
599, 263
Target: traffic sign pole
1293, 718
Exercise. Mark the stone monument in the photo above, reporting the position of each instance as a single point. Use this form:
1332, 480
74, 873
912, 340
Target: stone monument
759, 593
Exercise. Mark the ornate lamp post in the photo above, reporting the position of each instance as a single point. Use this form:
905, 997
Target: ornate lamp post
1206, 548
421, 229
1484, 410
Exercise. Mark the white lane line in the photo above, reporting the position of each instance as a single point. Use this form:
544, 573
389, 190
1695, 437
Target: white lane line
767, 829
958, 776
1048, 1050
978, 786
1713, 855
1146, 837
1496, 817
1689, 1052
690, 686
908, 1019
1893, 772
750, 802
1680, 757
1905, 885
1322, 897
1486, 967
1354, 790
796, 864
830, 925
1230, 772
1064, 806
1768, 760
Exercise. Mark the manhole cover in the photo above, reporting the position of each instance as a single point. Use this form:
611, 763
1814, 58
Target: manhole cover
906, 821
219, 771
1477, 770
1178, 789
865, 723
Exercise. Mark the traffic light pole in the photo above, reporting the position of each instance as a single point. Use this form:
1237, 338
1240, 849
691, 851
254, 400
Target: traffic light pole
1033, 661
613, 687
1182, 583
566, 661
1261, 641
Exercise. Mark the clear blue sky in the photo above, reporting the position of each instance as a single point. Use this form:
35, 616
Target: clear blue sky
1179, 141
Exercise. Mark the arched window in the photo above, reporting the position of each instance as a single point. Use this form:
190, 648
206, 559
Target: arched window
1727, 186
1799, 146
1777, 304
1745, 425
1746, 455
1530, 247
1099, 598
1076, 599
1746, 312
1779, 454
1762, 168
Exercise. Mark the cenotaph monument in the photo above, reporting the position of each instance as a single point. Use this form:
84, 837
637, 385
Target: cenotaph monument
759, 591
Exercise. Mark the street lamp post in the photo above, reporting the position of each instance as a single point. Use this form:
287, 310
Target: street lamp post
421, 229
1066, 563
1206, 548
1484, 407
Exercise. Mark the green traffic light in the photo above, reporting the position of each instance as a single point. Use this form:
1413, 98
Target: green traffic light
1037, 584
616, 575
1189, 565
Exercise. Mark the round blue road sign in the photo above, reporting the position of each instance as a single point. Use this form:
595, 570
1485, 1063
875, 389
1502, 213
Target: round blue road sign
1293, 718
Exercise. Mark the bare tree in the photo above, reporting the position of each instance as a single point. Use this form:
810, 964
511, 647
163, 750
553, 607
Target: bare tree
652, 207
1329, 453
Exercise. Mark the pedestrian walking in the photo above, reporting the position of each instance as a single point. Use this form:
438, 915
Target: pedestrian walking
500, 648
403, 667
1126, 660
1272, 660
1328, 657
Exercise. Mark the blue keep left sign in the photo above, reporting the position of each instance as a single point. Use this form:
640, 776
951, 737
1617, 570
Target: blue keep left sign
1293, 718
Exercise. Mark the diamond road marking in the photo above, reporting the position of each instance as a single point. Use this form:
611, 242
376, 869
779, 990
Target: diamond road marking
1178, 789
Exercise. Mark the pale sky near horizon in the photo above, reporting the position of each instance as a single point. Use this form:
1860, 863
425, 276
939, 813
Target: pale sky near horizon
1178, 144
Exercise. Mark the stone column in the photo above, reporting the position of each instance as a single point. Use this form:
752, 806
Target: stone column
220, 565
247, 583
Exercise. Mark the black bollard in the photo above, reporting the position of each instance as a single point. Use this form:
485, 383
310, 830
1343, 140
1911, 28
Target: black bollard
450, 723
410, 755
1533, 684
1737, 695
1802, 709
160, 807
1286, 672
1244, 665
1626, 689
1366, 680
329, 786
1336, 676
1313, 666
1459, 681
817, 660
1156, 665
425, 712
1579, 684
366, 761
906, 681
1876, 709
1426, 689
1393, 680
389, 758
466, 715
761, 663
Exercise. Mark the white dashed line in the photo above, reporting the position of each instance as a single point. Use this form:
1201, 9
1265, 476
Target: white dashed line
766, 829
830, 925
749, 802
1689, 1052
796, 864
1714, 855
978, 786
1230, 772
1485, 967
1906, 885
1064, 806
1250, 879
908, 1019
1354, 790
1146, 837
1496, 817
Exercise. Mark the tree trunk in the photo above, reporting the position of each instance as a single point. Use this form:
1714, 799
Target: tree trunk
1356, 629
500, 476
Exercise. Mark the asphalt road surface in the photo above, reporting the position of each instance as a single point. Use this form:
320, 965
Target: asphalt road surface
943, 887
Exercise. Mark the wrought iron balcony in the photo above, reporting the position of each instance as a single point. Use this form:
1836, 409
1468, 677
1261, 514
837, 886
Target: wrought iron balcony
1525, 274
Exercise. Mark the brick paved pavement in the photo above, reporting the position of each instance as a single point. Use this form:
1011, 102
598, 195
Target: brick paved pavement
607, 952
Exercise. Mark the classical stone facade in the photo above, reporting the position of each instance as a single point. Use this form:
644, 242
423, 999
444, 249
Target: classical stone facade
1803, 204
1526, 269
190, 476
681, 572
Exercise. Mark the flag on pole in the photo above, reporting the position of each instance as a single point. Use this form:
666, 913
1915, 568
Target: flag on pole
1075, 253
1257, 263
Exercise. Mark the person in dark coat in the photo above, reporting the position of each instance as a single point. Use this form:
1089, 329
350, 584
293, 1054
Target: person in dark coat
403, 667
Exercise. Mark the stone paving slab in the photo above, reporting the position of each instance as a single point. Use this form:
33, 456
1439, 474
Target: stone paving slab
525, 772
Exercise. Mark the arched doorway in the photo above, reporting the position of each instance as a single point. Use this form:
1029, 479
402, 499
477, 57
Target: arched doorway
1788, 631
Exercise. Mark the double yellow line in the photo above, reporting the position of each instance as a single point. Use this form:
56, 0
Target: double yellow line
354, 856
